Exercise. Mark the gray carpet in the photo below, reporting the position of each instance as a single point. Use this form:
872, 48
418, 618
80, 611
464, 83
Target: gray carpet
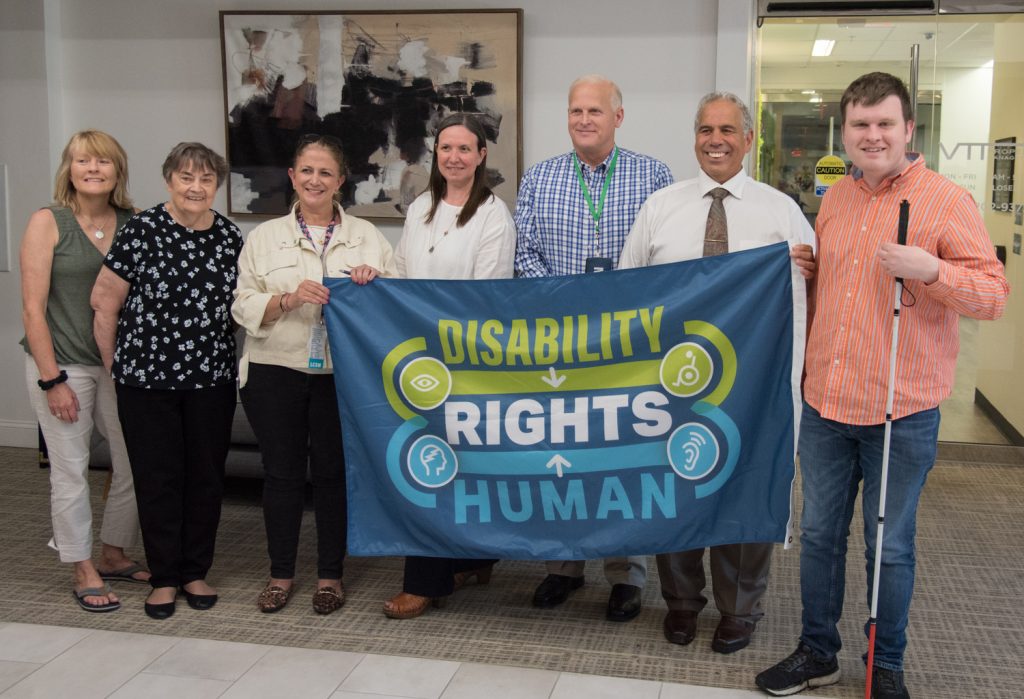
966, 639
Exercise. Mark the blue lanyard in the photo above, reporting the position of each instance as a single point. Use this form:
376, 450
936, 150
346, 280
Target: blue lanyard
327, 235
323, 253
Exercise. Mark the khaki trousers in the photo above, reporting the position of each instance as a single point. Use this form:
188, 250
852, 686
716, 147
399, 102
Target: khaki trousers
630, 570
739, 578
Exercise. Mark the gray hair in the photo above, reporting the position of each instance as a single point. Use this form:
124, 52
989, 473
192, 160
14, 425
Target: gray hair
196, 155
595, 79
748, 120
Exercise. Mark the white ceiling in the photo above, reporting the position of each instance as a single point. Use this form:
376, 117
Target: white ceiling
875, 43
954, 44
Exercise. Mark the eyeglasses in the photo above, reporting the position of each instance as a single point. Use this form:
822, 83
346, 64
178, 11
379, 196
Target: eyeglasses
319, 138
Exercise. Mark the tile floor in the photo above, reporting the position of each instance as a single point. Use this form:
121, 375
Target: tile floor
52, 661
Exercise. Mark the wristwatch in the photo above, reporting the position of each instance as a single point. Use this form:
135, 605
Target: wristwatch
47, 385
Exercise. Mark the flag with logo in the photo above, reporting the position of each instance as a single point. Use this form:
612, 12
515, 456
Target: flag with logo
629, 412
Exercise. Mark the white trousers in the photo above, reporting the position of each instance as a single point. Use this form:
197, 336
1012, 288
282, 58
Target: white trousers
68, 447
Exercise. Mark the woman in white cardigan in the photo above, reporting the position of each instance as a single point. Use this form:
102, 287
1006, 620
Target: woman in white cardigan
286, 374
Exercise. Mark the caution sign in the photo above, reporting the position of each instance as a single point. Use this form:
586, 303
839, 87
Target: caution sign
827, 172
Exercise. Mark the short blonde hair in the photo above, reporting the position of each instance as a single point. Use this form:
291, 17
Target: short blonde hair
100, 145
595, 79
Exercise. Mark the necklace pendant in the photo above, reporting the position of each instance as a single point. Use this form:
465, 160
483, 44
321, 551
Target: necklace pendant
430, 249
99, 234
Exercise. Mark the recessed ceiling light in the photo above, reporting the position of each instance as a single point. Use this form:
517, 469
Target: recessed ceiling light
823, 47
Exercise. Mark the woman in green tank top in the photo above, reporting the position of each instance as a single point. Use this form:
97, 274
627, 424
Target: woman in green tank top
61, 254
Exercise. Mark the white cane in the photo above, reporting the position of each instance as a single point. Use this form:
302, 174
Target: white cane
901, 238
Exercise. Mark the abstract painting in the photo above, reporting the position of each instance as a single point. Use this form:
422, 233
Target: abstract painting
377, 81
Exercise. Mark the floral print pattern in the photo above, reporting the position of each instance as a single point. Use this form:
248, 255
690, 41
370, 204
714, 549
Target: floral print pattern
175, 329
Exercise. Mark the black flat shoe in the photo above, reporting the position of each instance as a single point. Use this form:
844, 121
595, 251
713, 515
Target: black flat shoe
159, 611
199, 602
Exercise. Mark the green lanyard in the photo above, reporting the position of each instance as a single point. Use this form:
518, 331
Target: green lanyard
595, 212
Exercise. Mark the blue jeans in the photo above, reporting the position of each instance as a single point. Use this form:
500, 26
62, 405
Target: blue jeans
834, 459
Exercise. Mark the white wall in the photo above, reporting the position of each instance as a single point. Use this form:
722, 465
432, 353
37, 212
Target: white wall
24, 148
966, 105
152, 76
149, 72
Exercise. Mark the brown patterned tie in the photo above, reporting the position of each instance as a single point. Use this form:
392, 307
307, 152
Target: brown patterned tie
716, 232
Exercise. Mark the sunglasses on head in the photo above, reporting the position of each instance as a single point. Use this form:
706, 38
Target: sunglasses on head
319, 138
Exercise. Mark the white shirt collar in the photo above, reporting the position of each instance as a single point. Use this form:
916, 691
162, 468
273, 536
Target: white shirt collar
734, 185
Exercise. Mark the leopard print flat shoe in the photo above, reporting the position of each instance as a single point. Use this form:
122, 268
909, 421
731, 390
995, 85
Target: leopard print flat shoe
327, 600
273, 599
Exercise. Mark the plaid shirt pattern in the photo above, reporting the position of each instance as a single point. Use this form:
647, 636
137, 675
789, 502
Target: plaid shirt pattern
556, 233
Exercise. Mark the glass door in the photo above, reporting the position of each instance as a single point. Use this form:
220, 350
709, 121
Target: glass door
968, 92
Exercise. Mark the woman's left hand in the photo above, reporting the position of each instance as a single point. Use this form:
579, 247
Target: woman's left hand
63, 403
363, 274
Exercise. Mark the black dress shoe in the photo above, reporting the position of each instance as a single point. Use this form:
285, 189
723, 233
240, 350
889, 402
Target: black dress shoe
624, 603
680, 626
159, 611
200, 602
732, 634
555, 589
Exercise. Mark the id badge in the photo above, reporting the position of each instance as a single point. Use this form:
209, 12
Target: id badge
317, 345
598, 264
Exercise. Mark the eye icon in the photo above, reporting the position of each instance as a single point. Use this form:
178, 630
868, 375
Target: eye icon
424, 383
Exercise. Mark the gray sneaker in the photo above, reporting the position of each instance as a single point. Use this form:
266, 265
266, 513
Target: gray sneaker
801, 670
888, 684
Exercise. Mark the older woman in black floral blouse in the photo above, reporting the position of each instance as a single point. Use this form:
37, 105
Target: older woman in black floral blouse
172, 270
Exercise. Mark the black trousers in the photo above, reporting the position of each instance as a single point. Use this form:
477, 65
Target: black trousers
433, 577
177, 443
296, 421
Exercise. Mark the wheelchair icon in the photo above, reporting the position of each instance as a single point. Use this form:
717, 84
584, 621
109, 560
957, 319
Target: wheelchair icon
688, 373
686, 370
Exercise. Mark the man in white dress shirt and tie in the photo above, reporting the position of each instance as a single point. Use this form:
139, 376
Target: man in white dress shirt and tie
719, 211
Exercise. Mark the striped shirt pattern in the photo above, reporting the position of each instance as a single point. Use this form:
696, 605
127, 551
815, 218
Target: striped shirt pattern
851, 332
556, 233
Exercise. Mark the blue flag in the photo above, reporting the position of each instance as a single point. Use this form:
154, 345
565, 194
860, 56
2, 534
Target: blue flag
631, 412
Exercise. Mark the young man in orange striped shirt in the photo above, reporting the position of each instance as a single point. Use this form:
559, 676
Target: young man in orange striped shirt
950, 270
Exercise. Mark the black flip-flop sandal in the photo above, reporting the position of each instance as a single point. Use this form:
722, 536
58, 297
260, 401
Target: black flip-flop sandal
125, 574
80, 596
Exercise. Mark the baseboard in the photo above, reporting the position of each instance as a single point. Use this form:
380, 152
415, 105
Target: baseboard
16, 433
1002, 424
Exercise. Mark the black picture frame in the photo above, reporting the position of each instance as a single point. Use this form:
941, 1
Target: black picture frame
378, 81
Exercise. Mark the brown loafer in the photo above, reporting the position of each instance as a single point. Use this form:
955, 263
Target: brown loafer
680, 626
273, 599
732, 634
406, 605
327, 600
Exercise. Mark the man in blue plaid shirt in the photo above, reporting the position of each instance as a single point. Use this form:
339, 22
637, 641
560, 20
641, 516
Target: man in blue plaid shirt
573, 214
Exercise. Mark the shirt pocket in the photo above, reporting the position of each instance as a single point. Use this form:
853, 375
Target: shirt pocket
351, 253
279, 271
